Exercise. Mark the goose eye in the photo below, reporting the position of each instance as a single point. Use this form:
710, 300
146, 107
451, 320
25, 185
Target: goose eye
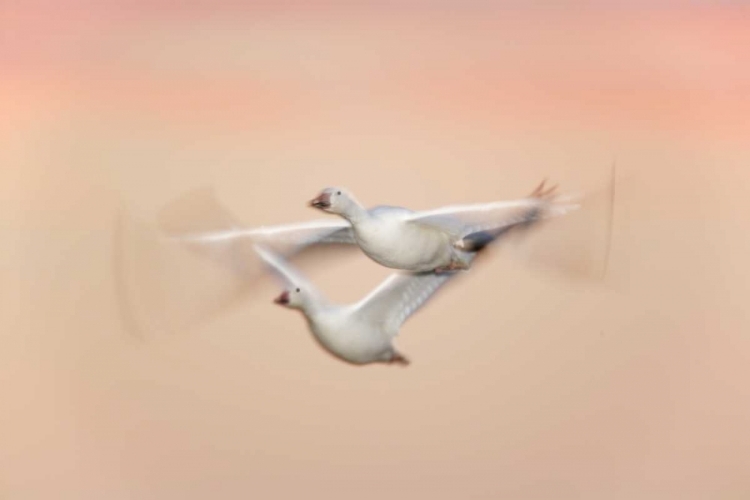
297, 290
338, 193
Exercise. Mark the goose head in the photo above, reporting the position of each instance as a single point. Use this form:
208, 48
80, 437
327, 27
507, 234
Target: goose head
293, 298
334, 200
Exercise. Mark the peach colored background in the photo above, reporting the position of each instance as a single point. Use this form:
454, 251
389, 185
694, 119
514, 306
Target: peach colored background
524, 384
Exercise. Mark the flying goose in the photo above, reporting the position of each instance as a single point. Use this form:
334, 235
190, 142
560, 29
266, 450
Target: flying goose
360, 333
396, 237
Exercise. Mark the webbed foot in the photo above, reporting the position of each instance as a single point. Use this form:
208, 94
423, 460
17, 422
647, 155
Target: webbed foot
399, 359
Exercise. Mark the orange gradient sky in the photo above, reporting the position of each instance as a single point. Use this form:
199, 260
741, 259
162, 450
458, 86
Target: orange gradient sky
524, 384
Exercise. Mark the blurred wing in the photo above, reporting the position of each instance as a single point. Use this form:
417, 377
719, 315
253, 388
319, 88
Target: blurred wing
168, 283
162, 289
203, 225
400, 296
403, 294
578, 246
460, 220
287, 274
295, 235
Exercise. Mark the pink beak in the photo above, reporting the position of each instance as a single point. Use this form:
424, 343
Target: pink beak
322, 201
282, 299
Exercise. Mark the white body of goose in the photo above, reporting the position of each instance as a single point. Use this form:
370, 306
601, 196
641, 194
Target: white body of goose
360, 333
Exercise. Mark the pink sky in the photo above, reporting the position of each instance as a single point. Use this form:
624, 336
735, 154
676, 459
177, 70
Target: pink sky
524, 385
677, 69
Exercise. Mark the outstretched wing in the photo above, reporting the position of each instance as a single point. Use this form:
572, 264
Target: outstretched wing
286, 273
460, 220
202, 224
297, 235
400, 296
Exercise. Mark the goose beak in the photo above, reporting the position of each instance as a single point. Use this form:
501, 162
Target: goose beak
282, 299
323, 201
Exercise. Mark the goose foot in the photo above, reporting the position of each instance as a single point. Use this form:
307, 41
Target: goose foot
399, 359
455, 265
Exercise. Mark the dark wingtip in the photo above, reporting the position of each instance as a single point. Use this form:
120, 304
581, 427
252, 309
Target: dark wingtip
478, 241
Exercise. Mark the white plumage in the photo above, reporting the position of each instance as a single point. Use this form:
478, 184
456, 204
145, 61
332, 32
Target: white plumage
359, 333
396, 237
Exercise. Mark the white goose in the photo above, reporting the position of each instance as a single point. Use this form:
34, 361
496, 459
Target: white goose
432, 240
360, 333
395, 237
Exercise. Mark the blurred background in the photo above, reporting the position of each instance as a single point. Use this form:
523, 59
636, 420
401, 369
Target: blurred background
524, 383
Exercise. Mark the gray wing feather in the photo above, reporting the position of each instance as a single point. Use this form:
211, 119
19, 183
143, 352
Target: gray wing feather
399, 297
